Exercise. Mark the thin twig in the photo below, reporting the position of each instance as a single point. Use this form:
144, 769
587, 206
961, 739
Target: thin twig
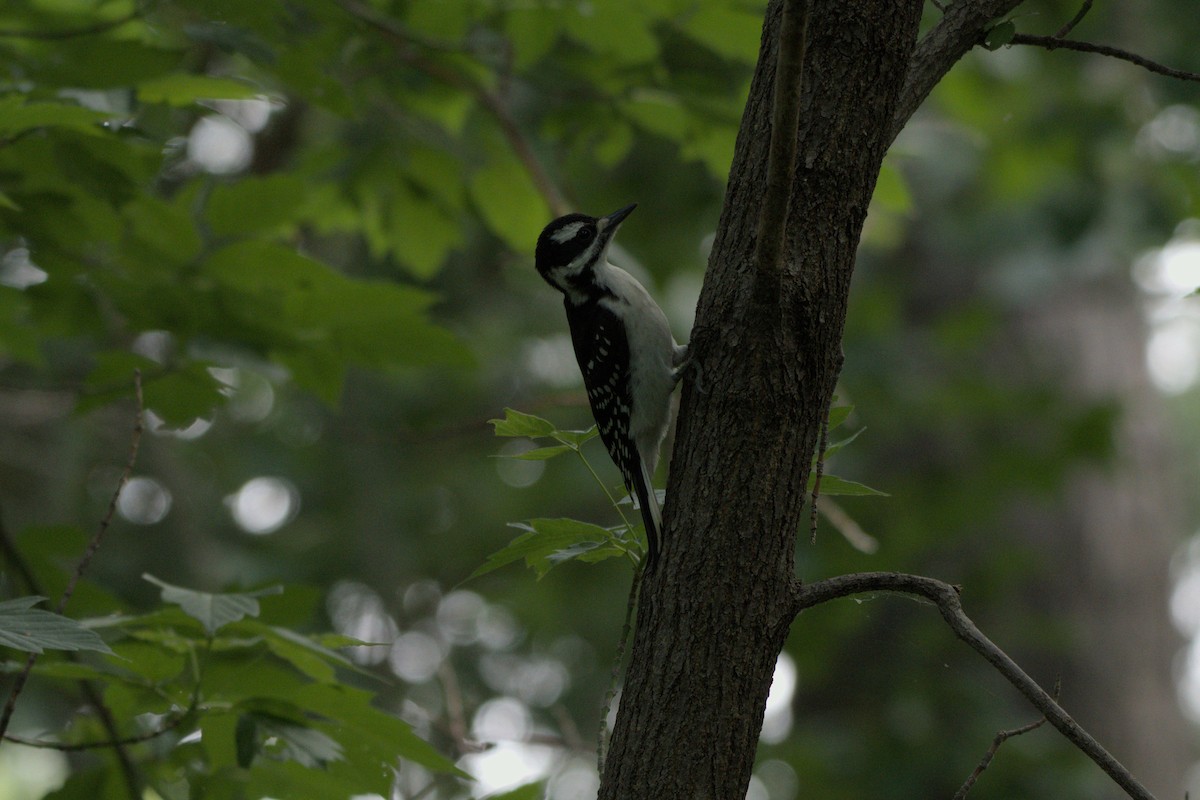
850, 530
570, 731
1075, 20
68, 747
17, 562
135, 441
618, 659
820, 470
456, 718
946, 597
91, 692
781, 157
1000, 739
131, 778
1055, 43
490, 102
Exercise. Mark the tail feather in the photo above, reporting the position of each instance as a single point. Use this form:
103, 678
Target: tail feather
651, 513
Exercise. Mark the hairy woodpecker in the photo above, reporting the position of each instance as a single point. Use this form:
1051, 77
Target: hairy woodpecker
629, 360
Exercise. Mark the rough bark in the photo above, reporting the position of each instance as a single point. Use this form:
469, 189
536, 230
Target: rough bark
715, 614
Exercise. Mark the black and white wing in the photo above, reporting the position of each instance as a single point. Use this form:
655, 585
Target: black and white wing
602, 350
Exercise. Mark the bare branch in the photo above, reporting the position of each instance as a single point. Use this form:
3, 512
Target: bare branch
404, 42
946, 598
69, 747
1075, 20
1055, 43
819, 471
781, 157
135, 441
1000, 739
131, 778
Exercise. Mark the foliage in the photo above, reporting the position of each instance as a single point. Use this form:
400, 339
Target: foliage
272, 707
23, 627
342, 298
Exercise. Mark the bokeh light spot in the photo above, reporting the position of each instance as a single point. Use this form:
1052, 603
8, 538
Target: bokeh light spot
144, 501
265, 504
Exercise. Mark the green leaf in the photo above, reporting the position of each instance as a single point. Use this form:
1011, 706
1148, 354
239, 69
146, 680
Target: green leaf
575, 439
179, 395
529, 791
369, 727
317, 322
304, 745
246, 740
839, 415
832, 485
313, 659
619, 30
532, 33
727, 30
23, 627
335, 640
838, 445
256, 204
540, 453
102, 62
1000, 35
549, 542
518, 423
510, 205
63, 670
658, 112
17, 116
213, 611
150, 661
184, 89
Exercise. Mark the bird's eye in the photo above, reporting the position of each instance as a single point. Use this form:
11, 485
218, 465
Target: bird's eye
586, 233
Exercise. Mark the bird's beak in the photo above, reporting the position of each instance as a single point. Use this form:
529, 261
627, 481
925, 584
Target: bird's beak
614, 219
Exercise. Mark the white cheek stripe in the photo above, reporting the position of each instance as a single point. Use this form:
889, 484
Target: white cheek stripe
567, 232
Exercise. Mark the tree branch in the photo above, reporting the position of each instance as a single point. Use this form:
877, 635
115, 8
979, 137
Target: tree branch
946, 598
939, 49
91, 692
403, 43
116, 742
133, 784
781, 158
1075, 20
1055, 43
1001, 738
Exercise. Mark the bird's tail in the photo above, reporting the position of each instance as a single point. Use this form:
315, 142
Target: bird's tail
651, 513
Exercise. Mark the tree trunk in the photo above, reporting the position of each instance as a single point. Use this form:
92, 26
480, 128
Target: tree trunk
714, 615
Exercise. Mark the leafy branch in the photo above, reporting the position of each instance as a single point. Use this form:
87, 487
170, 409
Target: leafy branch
73, 33
406, 48
132, 781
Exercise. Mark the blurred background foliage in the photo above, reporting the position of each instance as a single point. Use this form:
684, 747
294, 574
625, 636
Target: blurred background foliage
310, 225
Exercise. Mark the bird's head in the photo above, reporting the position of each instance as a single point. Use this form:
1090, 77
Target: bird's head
571, 247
